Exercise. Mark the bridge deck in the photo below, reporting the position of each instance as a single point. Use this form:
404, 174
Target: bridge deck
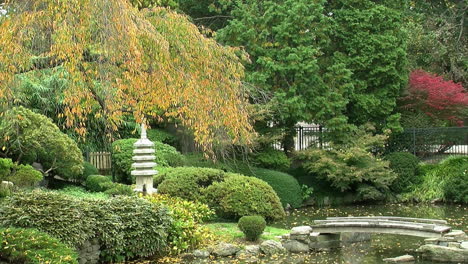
388, 225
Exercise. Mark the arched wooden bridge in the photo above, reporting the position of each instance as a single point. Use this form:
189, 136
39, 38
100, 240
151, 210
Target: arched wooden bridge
383, 224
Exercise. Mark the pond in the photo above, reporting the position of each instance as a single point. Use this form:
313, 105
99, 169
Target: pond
381, 246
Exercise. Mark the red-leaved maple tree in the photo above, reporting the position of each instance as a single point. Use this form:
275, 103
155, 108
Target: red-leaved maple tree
436, 97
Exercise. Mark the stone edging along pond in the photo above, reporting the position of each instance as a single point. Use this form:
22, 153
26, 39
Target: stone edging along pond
452, 247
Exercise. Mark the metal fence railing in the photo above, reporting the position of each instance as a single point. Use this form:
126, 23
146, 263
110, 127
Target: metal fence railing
431, 142
422, 142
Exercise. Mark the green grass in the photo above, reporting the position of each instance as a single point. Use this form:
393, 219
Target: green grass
229, 232
80, 192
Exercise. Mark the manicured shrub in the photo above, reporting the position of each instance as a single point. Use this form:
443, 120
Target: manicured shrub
252, 226
25, 176
239, 196
20, 245
187, 182
406, 165
286, 186
4, 191
455, 169
127, 227
95, 183
89, 169
272, 159
456, 187
40, 140
114, 189
186, 232
122, 153
6, 165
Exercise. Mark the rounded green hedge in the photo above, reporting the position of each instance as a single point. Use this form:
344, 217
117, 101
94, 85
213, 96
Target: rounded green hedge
187, 182
122, 153
89, 169
25, 176
95, 183
239, 196
252, 226
127, 227
20, 245
406, 165
286, 186
272, 159
456, 185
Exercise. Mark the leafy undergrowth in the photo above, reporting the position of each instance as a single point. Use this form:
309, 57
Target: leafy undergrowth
229, 232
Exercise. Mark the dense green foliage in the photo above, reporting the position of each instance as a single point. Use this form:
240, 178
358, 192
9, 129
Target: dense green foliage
89, 169
456, 187
345, 167
33, 137
436, 37
187, 182
369, 38
284, 40
159, 135
25, 176
440, 182
272, 159
252, 226
22, 176
29, 246
122, 153
112, 221
115, 188
286, 186
6, 166
186, 232
406, 165
94, 182
239, 196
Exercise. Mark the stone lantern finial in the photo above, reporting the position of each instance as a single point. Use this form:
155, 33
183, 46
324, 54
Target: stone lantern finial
143, 131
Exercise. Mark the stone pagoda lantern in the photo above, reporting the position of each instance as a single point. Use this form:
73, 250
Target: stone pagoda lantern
143, 166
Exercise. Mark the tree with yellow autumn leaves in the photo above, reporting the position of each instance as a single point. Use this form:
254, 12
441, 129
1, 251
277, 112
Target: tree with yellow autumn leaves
120, 61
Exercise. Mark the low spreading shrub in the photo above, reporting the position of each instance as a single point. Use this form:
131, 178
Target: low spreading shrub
25, 176
239, 196
21, 175
252, 226
95, 183
20, 245
286, 186
122, 153
127, 227
345, 166
114, 189
89, 169
187, 182
406, 166
186, 232
272, 159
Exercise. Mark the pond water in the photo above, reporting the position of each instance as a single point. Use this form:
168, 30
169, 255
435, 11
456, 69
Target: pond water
381, 246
